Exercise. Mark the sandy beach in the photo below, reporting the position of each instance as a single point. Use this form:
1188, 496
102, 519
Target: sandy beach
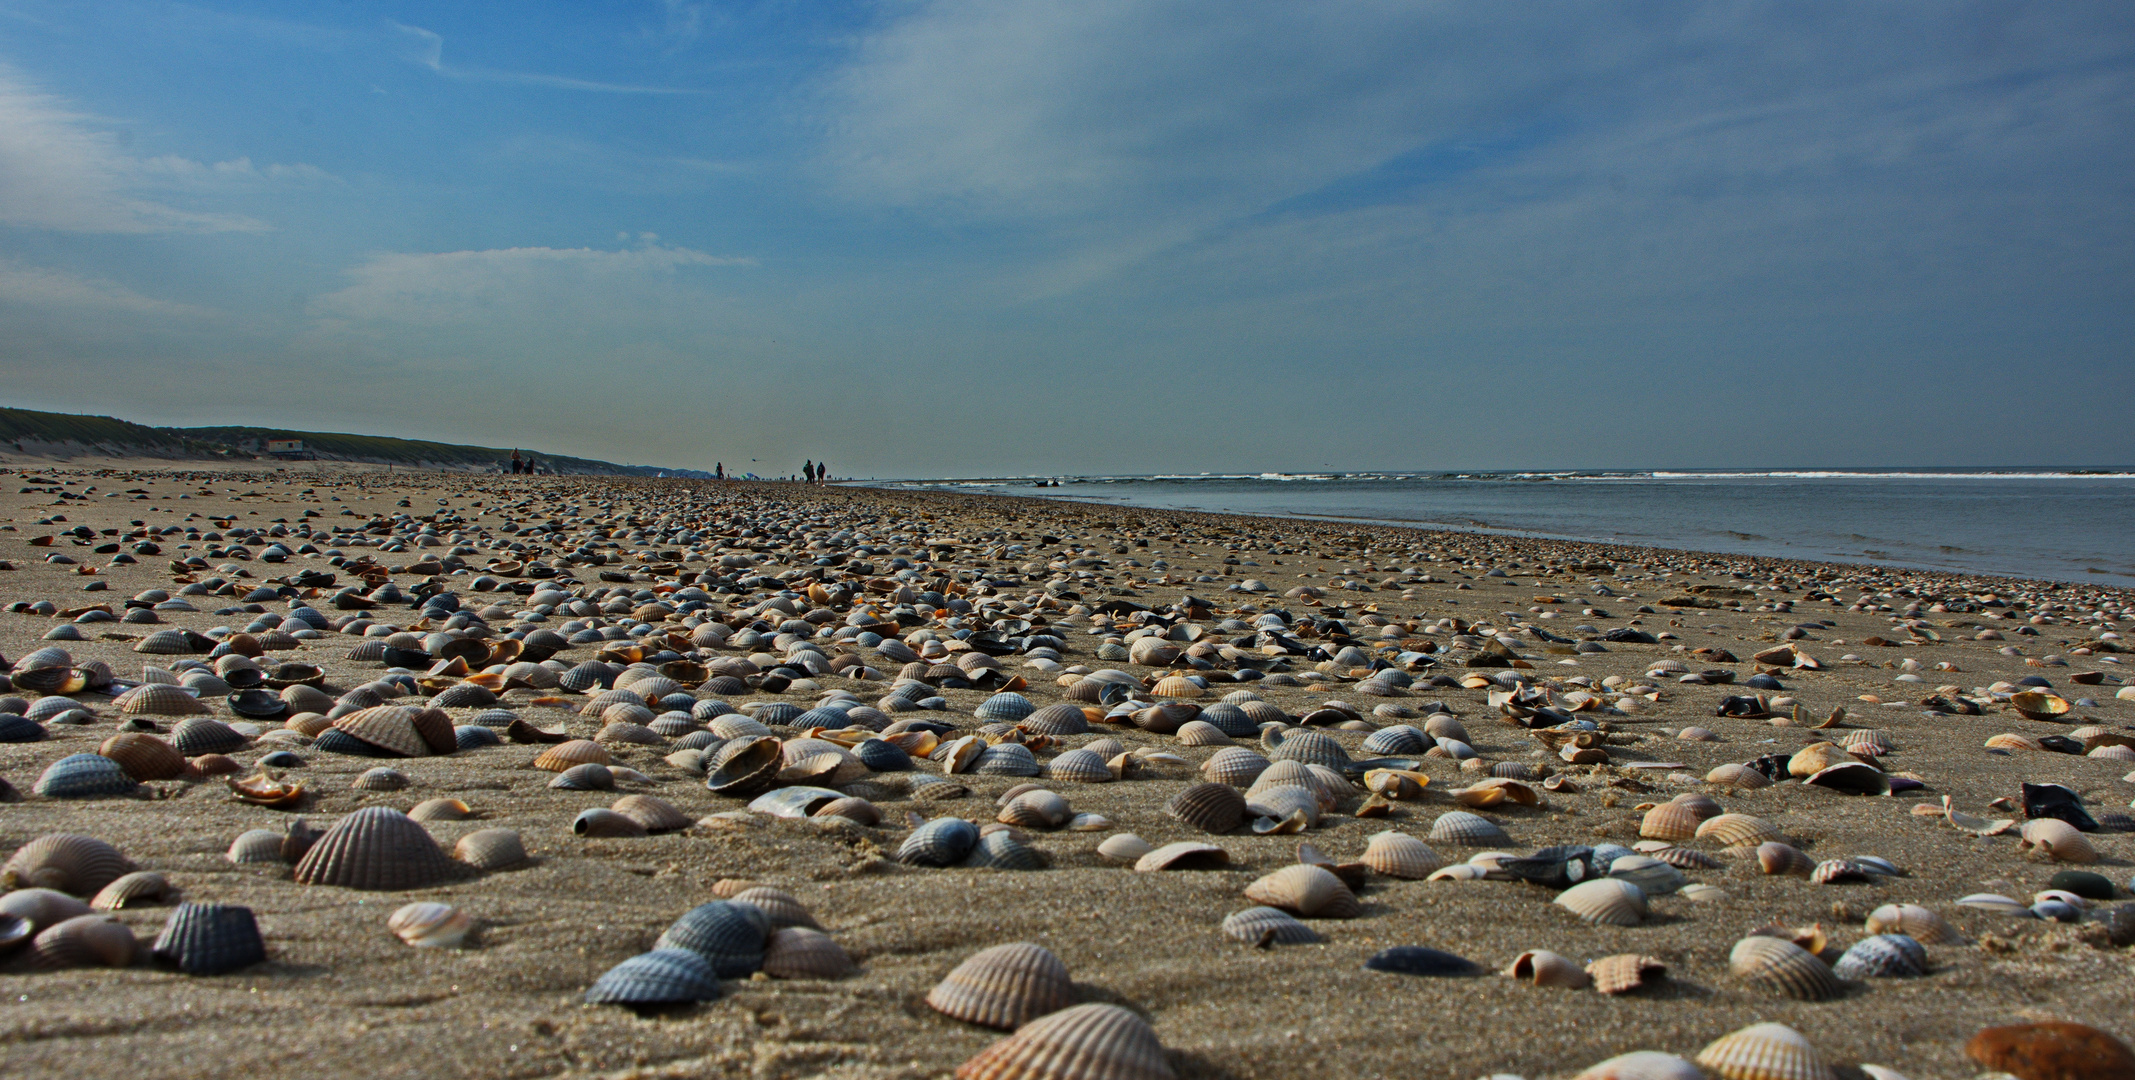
339, 993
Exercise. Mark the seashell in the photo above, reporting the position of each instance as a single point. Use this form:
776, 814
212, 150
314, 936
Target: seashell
728, 934
441, 810
1006, 987
1235, 766
597, 822
881, 755
382, 778
1265, 926
1183, 855
1783, 967
1840, 871
1281, 801
803, 952
1399, 740
563, 755
1307, 746
256, 846
1037, 810
490, 849
1464, 829
376, 848
1776, 858
1059, 719
2039, 705
779, 907
1398, 784
137, 888
655, 814
1086, 1041
39, 908
1996, 903
1417, 960
2058, 840
159, 699
64, 862
591, 776
1606, 901
744, 765
1670, 821
1079, 766
430, 925
82, 941
795, 802
1702, 894
388, 728
82, 776
1652, 876
1544, 968
1198, 733
1814, 758
15, 728
1914, 921
857, 810
940, 842
1004, 849
660, 977
1399, 855
1310, 891
1626, 973
1882, 956
1124, 847
1210, 807
1642, 1065
144, 756
2083, 884
1763, 1052
2051, 1050
1851, 778
1735, 775
1737, 830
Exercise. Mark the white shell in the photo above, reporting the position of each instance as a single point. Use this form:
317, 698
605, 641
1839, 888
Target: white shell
1608, 901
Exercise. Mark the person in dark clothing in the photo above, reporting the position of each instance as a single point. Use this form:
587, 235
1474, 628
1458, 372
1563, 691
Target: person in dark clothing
722, 471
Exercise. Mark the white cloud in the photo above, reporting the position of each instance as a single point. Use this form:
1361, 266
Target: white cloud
58, 291
537, 284
427, 48
59, 171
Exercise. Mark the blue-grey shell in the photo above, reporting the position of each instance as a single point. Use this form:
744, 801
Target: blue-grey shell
1000, 850
881, 755
210, 939
1399, 739
14, 728
706, 708
1417, 960
1006, 759
940, 842
475, 736
1007, 708
660, 977
83, 776
730, 936
496, 718
1882, 956
201, 735
337, 741
778, 713
1229, 719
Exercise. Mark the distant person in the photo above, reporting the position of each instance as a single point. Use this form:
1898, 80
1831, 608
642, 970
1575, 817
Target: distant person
808, 471
518, 466
822, 473
721, 474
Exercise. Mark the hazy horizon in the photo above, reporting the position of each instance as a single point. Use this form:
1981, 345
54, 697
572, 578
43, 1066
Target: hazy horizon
932, 239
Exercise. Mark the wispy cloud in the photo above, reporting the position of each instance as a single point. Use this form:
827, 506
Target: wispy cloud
541, 284
427, 48
58, 291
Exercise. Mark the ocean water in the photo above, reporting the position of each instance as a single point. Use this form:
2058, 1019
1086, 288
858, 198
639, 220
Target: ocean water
2061, 526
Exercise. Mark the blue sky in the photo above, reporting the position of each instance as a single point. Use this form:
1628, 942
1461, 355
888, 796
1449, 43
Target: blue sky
920, 238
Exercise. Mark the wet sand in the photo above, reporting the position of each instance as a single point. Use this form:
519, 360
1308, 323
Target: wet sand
339, 993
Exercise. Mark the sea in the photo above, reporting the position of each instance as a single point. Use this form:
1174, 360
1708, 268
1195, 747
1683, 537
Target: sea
2056, 525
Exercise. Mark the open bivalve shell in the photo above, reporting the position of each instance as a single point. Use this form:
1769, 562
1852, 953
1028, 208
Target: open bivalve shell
1086, 1042
1544, 968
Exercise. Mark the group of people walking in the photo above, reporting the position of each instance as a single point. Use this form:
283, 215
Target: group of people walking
525, 466
813, 472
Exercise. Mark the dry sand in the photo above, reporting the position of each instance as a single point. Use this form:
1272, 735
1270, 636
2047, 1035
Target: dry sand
341, 996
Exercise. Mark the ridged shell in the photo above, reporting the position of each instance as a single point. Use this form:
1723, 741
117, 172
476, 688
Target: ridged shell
1734, 775
1783, 967
1400, 740
1086, 1042
82, 941
1004, 987
1310, 891
729, 935
210, 939
441, 809
1079, 766
390, 728
744, 766
1764, 1052
2052, 1050
1057, 719
659, 977
1463, 829
144, 756
382, 778
139, 888
1183, 855
430, 925
160, 699
1234, 765
599, 822
940, 842
1544, 968
254, 846
1642, 1065
563, 755
591, 776
1737, 830
1209, 807
780, 908
1884, 956
1005, 708
802, 952
66, 862
1197, 733
491, 849
1006, 759
1280, 802
1776, 858
167, 643
1626, 973
82, 776
1310, 747
376, 848
1399, 855
1124, 847
1003, 849
1652, 876
1670, 821
1605, 901
1036, 810
2058, 840
1268, 926
40, 908
1919, 923
657, 815
1683, 858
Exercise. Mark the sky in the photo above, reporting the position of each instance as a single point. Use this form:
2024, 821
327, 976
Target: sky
916, 238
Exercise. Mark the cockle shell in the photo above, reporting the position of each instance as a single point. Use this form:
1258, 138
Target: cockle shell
2052, 1050
1670, 821
1919, 923
1764, 1052
159, 699
1210, 807
598, 823
1737, 830
1544, 968
1783, 967
1652, 876
256, 846
1036, 810
659, 977
803, 952
140, 887
82, 776
1776, 858
1625, 973
490, 849
781, 908
728, 934
66, 862
654, 814
441, 810
563, 755
940, 842
382, 778
1882, 956
1085, 1042
1310, 891
1642, 1065
1606, 901
1399, 855
376, 848
1124, 847
1736, 775
2057, 840
430, 925
1080, 766
1004, 987
1264, 926
84, 940
1183, 855
41, 907
1463, 829
144, 756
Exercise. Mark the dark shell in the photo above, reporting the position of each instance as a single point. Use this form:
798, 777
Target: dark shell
1417, 960
1399, 739
475, 737
201, 735
83, 776
210, 939
778, 714
337, 741
2056, 801
729, 935
1058, 719
1000, 850
1555, 867
376, 848
1882, 956
1307, 747
257, 705
1232, 720
494, 718
883, 756
2083, 883
1209, 807
463, 696
660, 977
20, 729
1006, 759
745, 766
940, 842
